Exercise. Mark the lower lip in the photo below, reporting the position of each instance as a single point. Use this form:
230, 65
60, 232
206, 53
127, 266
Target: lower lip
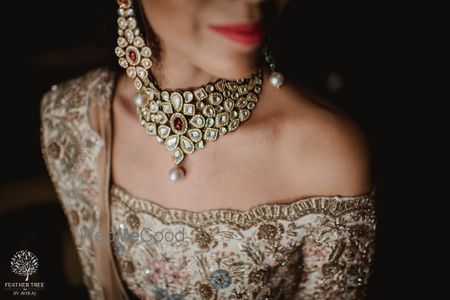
247, 35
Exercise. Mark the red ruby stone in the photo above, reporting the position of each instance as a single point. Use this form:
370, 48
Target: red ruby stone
178, 123
132, 56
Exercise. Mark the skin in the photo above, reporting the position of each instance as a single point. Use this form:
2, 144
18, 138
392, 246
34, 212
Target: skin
293, 145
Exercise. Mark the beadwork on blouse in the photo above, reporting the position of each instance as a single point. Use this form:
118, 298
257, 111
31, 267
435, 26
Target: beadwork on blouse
313, 248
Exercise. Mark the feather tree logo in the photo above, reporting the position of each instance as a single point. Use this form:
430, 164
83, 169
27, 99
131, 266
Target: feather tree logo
24, 263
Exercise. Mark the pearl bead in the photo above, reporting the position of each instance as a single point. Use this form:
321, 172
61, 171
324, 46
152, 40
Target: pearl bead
276, 79
176, 173
139, 99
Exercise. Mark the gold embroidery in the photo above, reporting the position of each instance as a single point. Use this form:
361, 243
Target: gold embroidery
319, 247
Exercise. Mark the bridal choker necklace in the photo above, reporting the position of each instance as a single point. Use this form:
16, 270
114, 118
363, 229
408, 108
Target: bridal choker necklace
184, 121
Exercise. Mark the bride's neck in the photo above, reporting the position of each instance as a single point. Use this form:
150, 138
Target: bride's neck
175, 71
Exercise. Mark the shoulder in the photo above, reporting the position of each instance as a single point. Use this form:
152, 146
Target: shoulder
73, 93
326, 152
68, 132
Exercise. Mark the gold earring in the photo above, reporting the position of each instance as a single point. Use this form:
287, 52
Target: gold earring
134, 55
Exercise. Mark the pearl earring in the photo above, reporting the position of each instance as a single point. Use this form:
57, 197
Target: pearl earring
276, 79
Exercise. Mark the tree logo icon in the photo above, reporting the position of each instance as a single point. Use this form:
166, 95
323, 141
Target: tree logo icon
24, 263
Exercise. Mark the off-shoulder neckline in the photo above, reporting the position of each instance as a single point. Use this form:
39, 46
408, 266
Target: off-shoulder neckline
333, 204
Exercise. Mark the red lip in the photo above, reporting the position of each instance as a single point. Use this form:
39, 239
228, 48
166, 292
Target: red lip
243, 33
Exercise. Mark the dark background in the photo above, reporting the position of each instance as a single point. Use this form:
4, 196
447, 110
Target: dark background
366, 50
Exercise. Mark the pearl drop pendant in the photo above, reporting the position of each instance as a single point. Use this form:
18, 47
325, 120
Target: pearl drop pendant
176, 174
276, 79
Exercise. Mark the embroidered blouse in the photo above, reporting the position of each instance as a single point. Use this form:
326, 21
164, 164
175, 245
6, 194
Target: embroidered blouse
317, 247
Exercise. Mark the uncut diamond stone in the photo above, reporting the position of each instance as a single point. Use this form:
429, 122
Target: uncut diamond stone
215, 98
186, 145
223, 130
209, 111
189, 109
200, 145
232, 86
159, 140
210, 122
146, 63
226, 93
161, 117
244, 114
131, 72
165, 95
122, 42
188, 96
151, 128
119, 51
242, 89
241, 102
172, 142
194, 134
177, 101
200, 94
177, 156
137, 83
222, 119
211, 134
122, 22
198, 121
252, 97
234, 124
132, 23
146, 52
163, 131
220, 85
228, 104
200, 105
251, 84
141, 72
153, 106
123, 62
129, 35
167, 108
146, 114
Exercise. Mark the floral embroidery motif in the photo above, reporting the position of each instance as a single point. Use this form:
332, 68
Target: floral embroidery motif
205, 290
270, 231
133, 221
203, 239
220, 279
